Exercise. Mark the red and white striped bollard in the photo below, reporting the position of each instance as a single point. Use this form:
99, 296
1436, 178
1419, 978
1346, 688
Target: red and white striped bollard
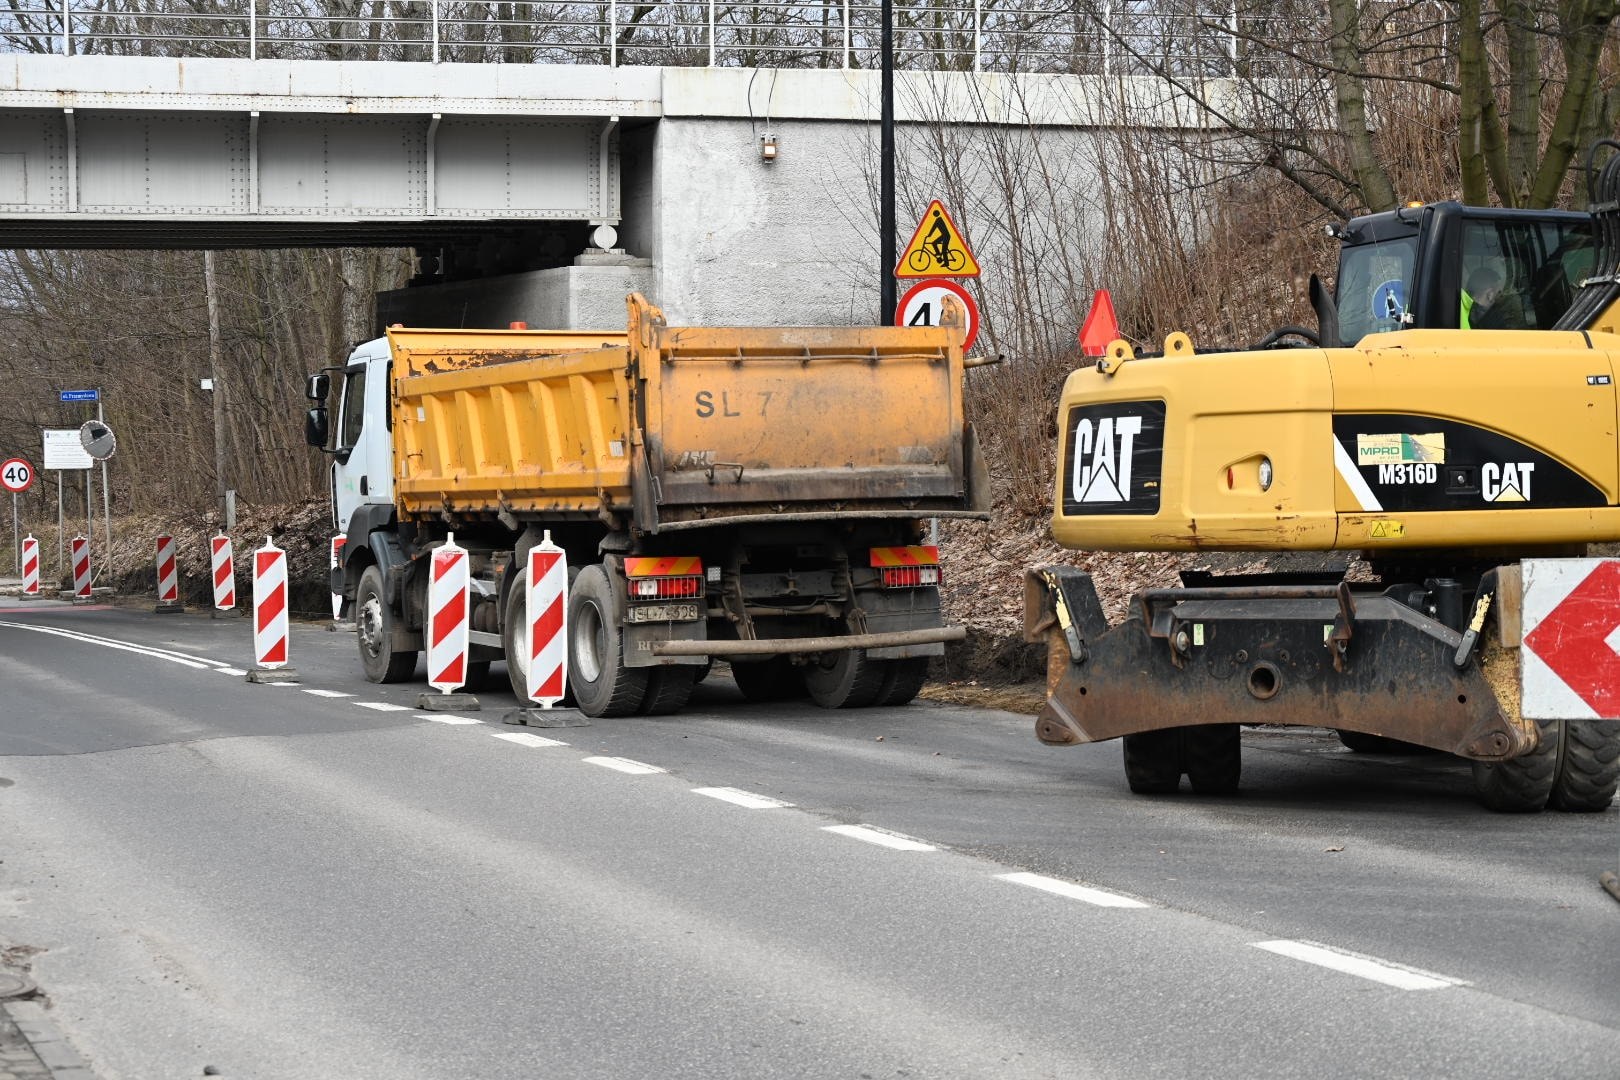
547, 614
222, 559
168, 578
30, 566
338, 543
81, 567
447, 625
269, 613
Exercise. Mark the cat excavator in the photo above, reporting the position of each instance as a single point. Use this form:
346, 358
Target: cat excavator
1470, 466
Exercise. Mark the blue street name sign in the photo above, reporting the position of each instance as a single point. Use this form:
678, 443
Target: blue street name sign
81, 395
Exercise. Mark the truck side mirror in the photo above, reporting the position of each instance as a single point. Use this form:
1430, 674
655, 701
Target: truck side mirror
318, 387
315, 425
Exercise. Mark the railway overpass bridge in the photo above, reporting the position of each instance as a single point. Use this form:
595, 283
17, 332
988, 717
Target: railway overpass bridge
499, 148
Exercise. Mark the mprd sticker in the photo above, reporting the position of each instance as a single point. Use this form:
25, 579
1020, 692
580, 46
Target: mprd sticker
1113, 458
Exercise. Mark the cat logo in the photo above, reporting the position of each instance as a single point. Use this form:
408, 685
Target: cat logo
1100, 473
1112, 458
1508, 482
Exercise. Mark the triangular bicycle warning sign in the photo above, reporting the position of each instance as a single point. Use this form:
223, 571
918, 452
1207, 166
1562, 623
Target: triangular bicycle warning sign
936, 249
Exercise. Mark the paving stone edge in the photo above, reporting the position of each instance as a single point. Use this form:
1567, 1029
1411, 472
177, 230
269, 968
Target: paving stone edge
55, 1053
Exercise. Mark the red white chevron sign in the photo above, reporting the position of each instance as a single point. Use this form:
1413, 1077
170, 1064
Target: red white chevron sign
1571, 655
447, 617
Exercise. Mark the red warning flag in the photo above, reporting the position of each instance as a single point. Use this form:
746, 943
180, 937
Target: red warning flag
1100, 326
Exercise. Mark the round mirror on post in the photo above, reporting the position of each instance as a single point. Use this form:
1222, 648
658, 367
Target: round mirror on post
98, 439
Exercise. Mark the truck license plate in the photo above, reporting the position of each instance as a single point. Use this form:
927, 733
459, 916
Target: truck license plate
640, 613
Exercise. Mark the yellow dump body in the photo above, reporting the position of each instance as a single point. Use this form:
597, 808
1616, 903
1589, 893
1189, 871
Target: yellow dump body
677, 426
1420, 439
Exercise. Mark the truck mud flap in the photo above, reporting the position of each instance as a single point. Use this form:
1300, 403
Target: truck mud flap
1312, 656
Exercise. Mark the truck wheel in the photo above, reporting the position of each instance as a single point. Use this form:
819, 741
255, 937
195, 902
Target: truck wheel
775, 679
1588, 770
1520, 785
374, 626
602, 685
844, 680
668, 689
902, 680
1153, 762
1213, 755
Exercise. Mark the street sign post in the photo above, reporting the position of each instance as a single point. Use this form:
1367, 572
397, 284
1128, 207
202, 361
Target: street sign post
921, 306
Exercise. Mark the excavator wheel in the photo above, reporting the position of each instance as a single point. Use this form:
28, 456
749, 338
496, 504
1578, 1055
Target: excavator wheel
1588, 770
1213, 757
1521, 785
1153, 761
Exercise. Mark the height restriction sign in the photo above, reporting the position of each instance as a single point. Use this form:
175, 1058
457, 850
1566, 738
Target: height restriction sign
937, 248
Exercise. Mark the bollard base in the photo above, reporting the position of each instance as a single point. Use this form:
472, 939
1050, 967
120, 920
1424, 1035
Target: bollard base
226, 613
264, 675
555, 717
1610, 882
84, 599
451, 702
171, 607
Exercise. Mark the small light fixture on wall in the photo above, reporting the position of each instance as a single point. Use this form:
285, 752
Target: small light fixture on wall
767, 147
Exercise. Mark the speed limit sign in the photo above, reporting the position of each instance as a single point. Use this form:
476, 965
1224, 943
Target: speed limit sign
16, 475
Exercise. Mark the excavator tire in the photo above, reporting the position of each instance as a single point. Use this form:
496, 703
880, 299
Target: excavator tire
1362, 743
1213, 757
1588, 770
1521, 785
1153, 761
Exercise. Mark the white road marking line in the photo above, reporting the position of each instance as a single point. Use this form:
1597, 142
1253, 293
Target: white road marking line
448, 718
881, 837
738, 797
523, 738
325, 693
238, 672
1069, 889
110, 643
1366, 967
382, 706
624, 765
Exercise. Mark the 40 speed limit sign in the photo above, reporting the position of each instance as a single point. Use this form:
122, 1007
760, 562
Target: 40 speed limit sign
16, 475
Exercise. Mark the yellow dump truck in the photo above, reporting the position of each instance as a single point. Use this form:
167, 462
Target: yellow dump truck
754, 494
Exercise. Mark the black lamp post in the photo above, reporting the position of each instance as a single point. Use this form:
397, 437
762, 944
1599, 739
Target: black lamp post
887, 255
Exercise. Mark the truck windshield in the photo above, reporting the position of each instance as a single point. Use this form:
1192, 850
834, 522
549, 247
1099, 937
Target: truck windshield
1375, 280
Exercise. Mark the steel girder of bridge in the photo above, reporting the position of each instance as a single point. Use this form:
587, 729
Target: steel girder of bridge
105, 151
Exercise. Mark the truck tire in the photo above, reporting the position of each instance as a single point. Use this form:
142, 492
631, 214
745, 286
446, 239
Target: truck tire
1153, 762
602, 685
776, 679
668, 689
1213, 757
374, 630
844, 680
903, 680
1521, 785
1588, 770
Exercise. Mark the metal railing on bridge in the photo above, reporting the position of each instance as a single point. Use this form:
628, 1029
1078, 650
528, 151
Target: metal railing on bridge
1093, 37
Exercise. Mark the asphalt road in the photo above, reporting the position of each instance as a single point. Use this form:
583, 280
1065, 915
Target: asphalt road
318, 880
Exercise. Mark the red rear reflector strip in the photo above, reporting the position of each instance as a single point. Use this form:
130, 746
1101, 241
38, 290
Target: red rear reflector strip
665, 588
910, 577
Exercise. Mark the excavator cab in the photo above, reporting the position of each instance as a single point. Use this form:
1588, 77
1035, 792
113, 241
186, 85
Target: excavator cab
1444, 265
